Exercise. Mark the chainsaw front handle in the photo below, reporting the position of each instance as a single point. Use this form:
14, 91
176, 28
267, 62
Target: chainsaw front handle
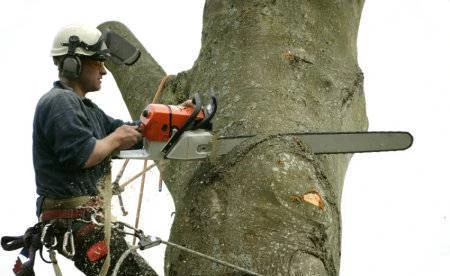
210, 111
196, 100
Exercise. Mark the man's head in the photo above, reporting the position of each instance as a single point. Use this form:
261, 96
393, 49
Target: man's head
79, 52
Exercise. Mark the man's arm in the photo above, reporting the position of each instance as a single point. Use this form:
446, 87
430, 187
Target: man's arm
123, 137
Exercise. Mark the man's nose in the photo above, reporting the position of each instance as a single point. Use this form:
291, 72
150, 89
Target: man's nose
103, 69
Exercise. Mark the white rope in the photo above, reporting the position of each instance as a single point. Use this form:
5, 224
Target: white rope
122, 258
107, 194
211, 258
54, 261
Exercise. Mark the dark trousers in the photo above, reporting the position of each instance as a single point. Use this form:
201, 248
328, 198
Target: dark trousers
86, 235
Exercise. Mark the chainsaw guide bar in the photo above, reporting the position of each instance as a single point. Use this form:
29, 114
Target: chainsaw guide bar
337, 142
198, 144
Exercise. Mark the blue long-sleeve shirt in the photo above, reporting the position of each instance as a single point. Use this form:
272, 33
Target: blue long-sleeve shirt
65, 129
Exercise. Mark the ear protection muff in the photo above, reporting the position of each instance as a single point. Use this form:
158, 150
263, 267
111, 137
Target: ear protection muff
70, 65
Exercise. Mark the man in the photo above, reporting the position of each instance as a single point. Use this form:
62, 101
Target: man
72, 143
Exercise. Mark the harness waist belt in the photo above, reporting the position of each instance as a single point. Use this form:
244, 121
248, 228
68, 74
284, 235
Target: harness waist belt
71, 203
63, 214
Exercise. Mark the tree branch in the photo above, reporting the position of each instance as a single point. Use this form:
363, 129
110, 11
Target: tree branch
139, 81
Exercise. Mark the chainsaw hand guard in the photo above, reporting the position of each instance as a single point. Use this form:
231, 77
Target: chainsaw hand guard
190, 123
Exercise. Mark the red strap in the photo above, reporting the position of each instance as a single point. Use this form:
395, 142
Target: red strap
62, 214
97, 251
84, 230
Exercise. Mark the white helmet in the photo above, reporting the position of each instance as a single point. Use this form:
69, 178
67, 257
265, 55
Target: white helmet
89, 42
79, 40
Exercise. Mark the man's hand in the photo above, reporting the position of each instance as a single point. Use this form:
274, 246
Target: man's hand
187, 103
123, 137
126, 136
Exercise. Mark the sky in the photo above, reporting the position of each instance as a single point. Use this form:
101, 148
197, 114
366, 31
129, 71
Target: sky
395, 206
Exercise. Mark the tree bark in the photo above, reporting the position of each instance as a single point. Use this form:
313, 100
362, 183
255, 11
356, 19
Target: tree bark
276, 67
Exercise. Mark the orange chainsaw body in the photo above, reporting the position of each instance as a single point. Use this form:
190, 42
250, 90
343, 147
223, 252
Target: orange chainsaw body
158, 120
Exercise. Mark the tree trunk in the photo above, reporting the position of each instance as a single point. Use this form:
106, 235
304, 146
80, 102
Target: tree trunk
276, 67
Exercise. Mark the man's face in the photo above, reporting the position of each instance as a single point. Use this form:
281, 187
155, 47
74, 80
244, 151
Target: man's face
91, 74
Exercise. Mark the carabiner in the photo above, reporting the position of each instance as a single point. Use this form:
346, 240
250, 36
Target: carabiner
68, 246
44, 237
95, 221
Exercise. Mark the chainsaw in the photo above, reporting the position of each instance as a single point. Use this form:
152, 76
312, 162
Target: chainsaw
185, 133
